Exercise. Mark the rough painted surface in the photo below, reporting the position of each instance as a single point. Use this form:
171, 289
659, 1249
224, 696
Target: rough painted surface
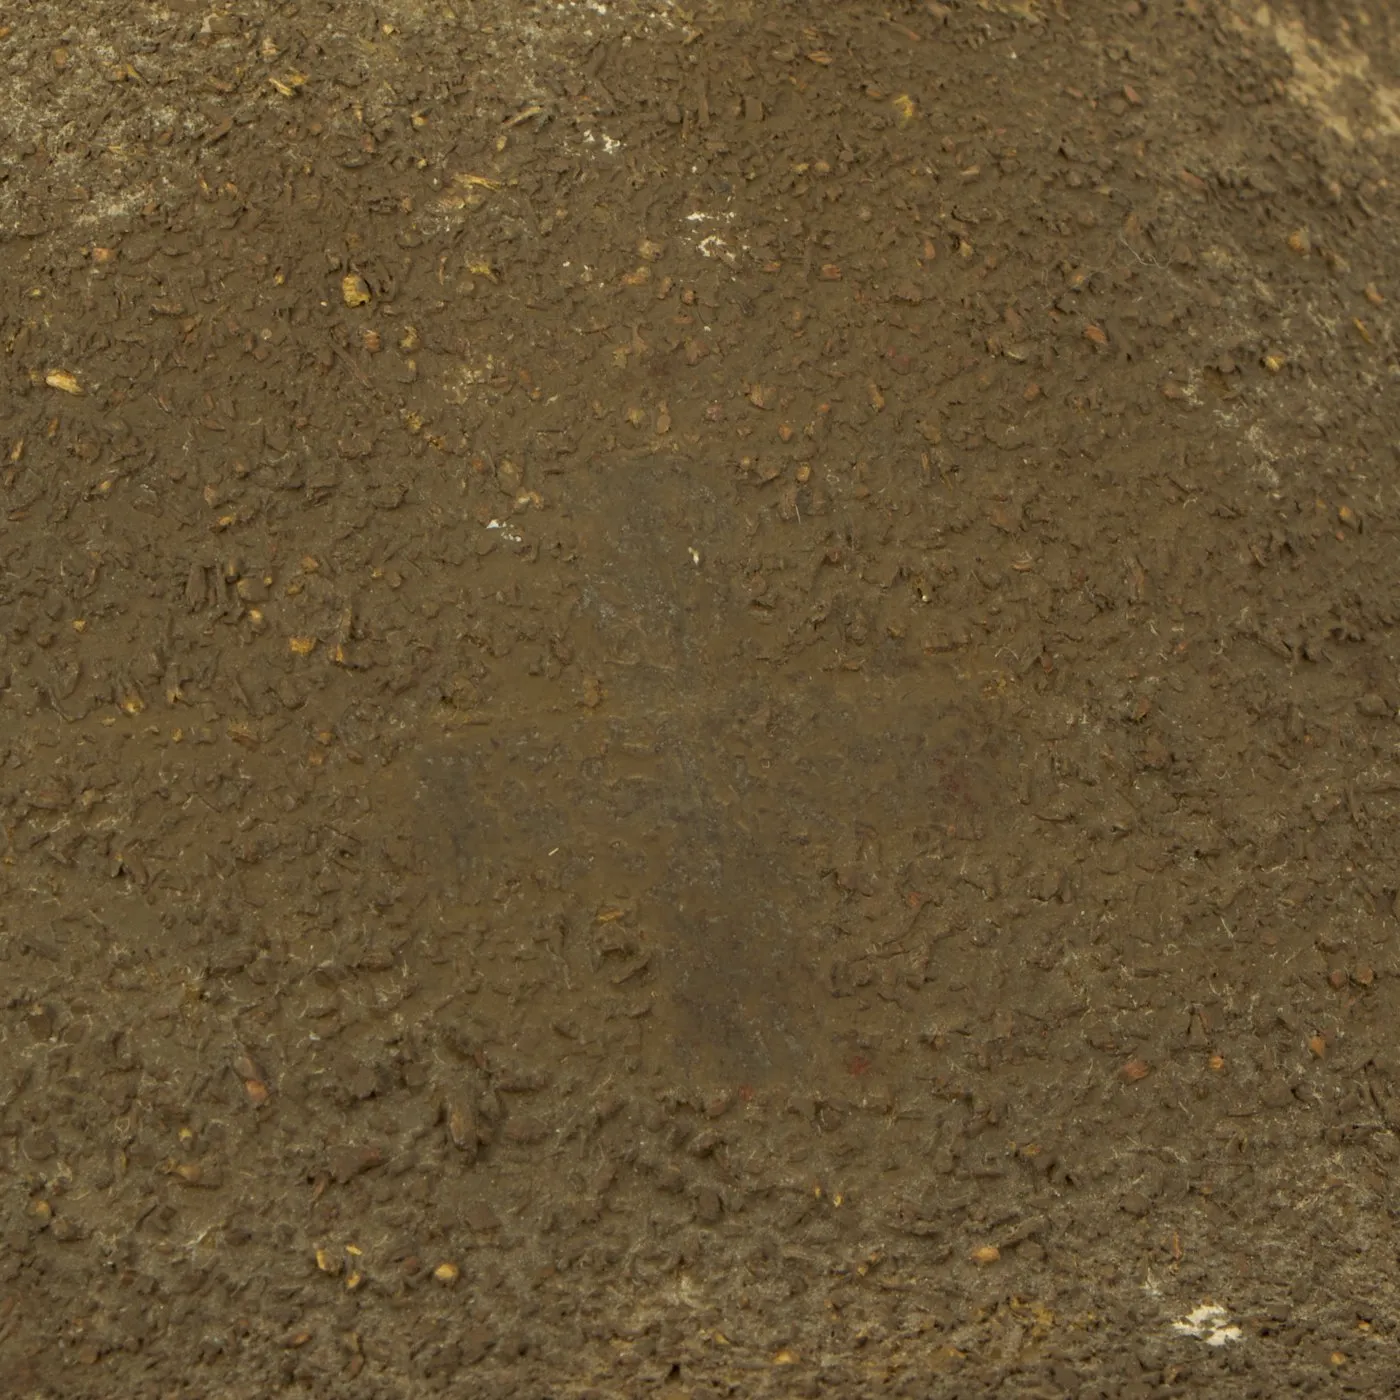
698, 702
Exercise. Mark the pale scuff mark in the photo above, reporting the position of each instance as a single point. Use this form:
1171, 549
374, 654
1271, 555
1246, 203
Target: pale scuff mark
1335, 81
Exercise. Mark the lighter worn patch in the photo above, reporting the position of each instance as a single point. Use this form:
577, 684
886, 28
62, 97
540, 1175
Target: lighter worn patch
1335, 81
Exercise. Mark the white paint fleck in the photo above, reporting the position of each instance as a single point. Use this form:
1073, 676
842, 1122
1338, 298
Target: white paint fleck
1209, 1323
713, 246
